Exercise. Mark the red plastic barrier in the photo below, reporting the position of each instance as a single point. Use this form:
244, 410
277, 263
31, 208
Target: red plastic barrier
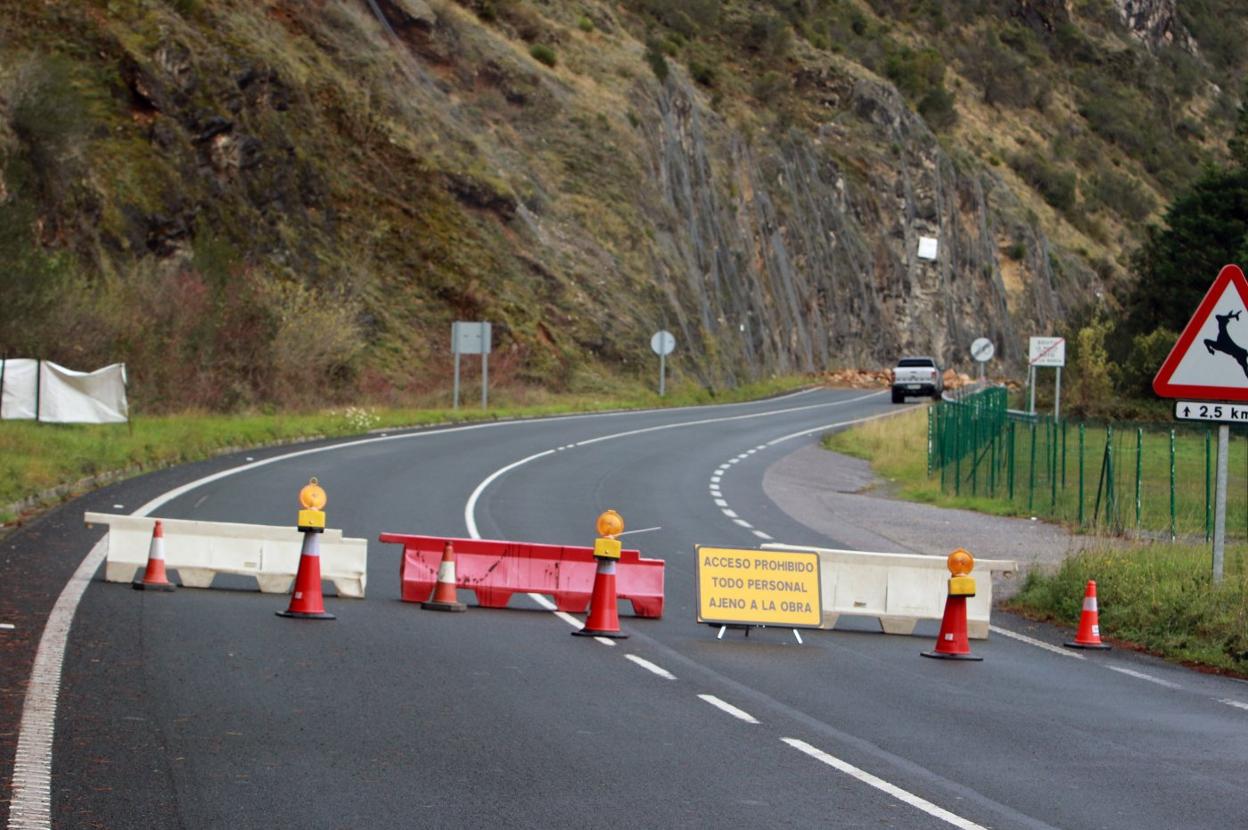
496, 570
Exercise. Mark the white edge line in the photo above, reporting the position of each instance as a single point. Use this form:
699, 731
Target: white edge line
30, 801
605, 641
740, 714
31, 792
650, 667
882, 785
1139, 675
1236, 703
1023, 638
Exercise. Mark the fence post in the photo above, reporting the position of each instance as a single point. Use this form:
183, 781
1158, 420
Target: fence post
1064, 455
1173, 535
1139, 467
1009, 461
1053, 473
1081, 428
1111, 496
1031, 472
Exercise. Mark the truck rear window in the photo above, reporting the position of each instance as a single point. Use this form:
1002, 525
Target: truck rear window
916, 361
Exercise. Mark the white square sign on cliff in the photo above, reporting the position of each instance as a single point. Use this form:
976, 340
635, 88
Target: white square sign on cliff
927, 247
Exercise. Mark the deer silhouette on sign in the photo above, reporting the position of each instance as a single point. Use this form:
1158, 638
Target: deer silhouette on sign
1225, 344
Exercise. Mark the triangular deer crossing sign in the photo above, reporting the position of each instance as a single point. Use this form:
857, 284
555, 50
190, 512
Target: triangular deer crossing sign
1210, 359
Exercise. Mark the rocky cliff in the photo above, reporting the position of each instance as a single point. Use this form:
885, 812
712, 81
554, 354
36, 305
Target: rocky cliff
275, 197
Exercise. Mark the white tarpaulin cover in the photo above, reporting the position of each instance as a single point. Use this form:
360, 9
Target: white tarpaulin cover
37, 389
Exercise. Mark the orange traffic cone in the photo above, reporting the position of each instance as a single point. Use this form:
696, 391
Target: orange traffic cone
154, 578
1089, 635
444, 597
604, 617
951, 642
306, 602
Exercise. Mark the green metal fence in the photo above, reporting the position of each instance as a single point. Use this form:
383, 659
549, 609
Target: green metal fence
1152, 478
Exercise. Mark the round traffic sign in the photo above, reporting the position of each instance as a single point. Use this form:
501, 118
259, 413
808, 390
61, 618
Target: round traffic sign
662, 343
983, 350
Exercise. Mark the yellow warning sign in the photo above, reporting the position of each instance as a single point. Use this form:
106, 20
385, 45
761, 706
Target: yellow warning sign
759, 587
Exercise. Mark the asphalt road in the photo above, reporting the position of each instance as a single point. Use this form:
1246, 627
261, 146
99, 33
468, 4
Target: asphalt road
203, 709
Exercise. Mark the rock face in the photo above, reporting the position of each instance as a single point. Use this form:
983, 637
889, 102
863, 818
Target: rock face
1156, 22
385, 168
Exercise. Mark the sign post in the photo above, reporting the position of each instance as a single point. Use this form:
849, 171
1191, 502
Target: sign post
982, 350
662, 344
1208, 371
471, 338
1046, 351
758, 588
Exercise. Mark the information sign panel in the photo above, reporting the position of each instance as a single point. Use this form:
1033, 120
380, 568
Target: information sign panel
758, 587
1046, 351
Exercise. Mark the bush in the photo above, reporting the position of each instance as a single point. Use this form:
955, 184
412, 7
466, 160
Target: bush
915, 72
702, 73
1122, 194
657, 60
543, 54
1056, 186
1147, 353
937, 109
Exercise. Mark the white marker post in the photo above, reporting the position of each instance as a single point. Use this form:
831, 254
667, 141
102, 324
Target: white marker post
662, 344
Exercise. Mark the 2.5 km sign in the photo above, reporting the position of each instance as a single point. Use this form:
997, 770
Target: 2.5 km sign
1229, 413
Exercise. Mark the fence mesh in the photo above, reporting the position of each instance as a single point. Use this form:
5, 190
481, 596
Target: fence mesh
1154, 479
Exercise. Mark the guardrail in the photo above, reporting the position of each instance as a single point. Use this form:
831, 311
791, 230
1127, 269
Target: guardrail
494, 570
898, 588
199, 551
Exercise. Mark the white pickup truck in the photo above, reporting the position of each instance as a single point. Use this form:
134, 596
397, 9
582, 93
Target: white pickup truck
917, 376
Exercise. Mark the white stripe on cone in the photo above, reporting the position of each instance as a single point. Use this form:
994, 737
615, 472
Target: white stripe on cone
157, 550
1089, 603
446, 572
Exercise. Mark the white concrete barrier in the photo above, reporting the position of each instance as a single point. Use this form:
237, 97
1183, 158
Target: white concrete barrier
201, 550
898, 588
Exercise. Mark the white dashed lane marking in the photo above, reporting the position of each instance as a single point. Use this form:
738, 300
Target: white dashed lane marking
650, 667
739, 714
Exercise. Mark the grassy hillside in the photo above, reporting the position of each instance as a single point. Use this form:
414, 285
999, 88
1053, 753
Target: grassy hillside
258, 203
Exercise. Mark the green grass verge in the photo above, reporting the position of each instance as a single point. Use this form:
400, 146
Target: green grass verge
36, 459
1152, 596
1156, 597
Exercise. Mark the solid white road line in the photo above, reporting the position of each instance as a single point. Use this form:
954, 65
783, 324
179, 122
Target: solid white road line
1142, 676
31, 797
1236, 703
1023, 638
650, 667
882, 785
30, 802
729, 708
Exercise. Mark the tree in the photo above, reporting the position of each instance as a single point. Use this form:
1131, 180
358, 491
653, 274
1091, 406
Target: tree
1203, 230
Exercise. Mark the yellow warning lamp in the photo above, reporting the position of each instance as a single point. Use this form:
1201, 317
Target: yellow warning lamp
312, 499
610, 524
961, 584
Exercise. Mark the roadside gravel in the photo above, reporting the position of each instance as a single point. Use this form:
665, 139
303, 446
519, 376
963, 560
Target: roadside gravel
839, 496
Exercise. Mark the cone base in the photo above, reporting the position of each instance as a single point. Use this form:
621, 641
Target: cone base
945, 655
307, 615
140, 585
435, 605
593, 632
1097, 646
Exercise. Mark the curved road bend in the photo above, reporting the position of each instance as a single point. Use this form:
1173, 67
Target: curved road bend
203, 709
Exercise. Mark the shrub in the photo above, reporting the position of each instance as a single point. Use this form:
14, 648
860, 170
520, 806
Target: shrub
915, 72
937, 109
1145, 358
585, 24
543, 54
702, 73
1121, 194
1056, 186
656, 59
